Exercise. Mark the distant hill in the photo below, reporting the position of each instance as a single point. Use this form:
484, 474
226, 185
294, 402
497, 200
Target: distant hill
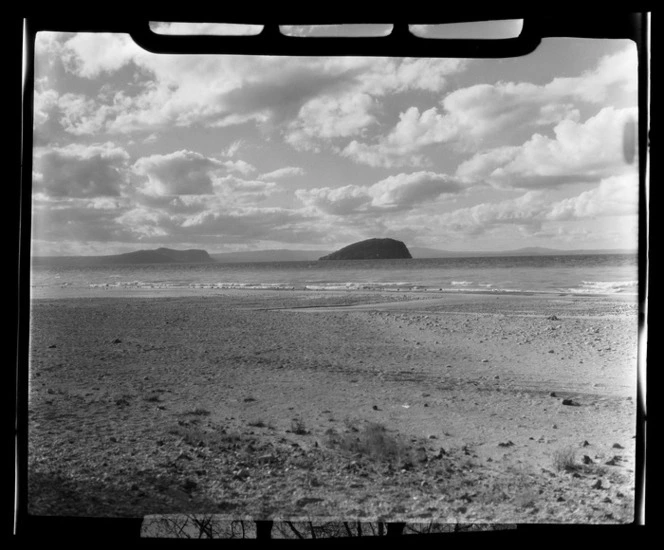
421, 252
158, 256
371, 249
167, 255
279, 255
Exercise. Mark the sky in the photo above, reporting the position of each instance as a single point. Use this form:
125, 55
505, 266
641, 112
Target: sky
135, 150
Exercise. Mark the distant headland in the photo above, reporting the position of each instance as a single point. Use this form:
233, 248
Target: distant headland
167, 255
158, 256
371, 249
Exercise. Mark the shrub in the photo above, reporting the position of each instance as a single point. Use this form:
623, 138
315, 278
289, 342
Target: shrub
374, 441
564, 459
298, 426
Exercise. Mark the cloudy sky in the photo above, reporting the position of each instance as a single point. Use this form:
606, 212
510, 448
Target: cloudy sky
136, 150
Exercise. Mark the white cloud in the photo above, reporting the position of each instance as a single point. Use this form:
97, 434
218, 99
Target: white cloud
395, 193
233, 190
579, 152
337, 201
389, 75
616, 70
526, 210
479, 115
233, 148
142, 222
614, 196
330, 97
327, 117
44, 102
402, 146
406, 190
239, 166
81, 115
91, 54
351, 111
483, 111
281, 173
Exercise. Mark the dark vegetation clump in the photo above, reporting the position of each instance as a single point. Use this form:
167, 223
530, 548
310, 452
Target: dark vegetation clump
298, 426
373, 441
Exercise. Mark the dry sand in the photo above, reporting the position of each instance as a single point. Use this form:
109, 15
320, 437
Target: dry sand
333, 405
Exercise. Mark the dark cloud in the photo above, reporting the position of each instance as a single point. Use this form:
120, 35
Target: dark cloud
65, 174
283, 96
179, 173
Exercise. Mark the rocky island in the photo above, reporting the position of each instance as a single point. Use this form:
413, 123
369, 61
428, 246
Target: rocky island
371, 249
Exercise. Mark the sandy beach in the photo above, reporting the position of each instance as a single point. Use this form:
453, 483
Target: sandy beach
457, 407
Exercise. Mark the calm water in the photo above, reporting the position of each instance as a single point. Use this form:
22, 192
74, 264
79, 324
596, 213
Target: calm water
583, 274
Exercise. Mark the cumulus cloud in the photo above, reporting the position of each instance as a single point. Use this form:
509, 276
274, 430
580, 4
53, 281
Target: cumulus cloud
486, 110
91, 54
613, 196
390, 75
338, 200
353, 110
478, 115
212, 223
80, 171
328, 97
233, 190
618, 70
395, 193
579, 152
178, 173
239, 166
526, 210
141, 222
326, 117
402, 145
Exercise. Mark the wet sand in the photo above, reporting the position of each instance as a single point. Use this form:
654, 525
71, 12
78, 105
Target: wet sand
334, 405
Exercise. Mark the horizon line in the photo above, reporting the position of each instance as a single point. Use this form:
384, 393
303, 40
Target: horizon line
443, 250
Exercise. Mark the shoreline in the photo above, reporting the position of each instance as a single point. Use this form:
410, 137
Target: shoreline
193, 404
40, 293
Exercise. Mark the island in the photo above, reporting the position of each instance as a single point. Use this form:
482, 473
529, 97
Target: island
371, 249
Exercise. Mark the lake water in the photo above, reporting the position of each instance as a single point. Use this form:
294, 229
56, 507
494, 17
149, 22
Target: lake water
576, 274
